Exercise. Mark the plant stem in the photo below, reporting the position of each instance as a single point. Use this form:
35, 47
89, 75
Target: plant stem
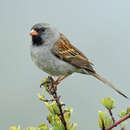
111, 114
57, 99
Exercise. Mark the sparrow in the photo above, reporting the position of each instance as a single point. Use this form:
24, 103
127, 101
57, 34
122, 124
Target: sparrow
53, 53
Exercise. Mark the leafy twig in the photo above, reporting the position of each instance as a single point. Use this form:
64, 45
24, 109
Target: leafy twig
118, 122
52, 89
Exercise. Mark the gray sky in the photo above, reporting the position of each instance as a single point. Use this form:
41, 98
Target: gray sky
100, 29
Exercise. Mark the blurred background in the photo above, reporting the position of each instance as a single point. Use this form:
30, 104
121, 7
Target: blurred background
101, 29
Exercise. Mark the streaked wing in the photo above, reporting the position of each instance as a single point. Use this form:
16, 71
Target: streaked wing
67, 52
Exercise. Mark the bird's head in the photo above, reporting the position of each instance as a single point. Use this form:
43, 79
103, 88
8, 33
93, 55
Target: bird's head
43, 33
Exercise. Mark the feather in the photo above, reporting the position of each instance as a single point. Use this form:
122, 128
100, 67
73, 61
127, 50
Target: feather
64, 50
109, 84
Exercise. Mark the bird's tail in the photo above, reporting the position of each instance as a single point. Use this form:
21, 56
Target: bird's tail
108, 83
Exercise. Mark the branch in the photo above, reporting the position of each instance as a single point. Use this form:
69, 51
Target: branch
52, 89
112, 117
103, 128
118, 122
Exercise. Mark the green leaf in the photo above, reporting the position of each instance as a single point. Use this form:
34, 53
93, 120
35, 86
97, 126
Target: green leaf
102, 115
128, 110
31, 128
14, 128
50, 108
108, 103
69, 110
55, 107
73, 126
57, 123
41, 97
107, 122
122, 113
100, 123
67, 116
43, 127
123, 125
43, 92
45, 82
104, 120
68, 113
50, 119
42, 80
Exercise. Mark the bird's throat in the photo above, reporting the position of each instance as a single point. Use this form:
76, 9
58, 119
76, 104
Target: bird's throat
37, 41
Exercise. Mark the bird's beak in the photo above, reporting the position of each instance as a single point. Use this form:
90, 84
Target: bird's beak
33, 32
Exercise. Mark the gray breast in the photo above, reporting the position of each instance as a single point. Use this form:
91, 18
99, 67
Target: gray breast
49, 63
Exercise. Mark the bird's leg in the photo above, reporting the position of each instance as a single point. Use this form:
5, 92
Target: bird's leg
59, 79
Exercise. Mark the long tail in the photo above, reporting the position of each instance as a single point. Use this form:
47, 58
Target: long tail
108, 83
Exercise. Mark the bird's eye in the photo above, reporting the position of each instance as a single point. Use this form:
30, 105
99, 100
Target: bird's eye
42, 29
36, 29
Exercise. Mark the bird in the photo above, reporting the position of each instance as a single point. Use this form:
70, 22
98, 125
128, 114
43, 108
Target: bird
54, 54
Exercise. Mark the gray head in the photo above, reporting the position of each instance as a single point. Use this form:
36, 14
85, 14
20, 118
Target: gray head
43, 33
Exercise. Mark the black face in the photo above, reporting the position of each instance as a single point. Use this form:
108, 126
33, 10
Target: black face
37, 40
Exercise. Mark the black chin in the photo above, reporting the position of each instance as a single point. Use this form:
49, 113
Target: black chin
37, 41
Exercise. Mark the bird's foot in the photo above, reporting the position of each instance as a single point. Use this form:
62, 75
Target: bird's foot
50, 84
59, 79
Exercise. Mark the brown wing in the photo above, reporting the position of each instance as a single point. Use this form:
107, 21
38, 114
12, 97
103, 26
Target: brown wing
67, 52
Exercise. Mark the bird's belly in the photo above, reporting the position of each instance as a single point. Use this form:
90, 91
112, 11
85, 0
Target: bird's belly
47, 62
